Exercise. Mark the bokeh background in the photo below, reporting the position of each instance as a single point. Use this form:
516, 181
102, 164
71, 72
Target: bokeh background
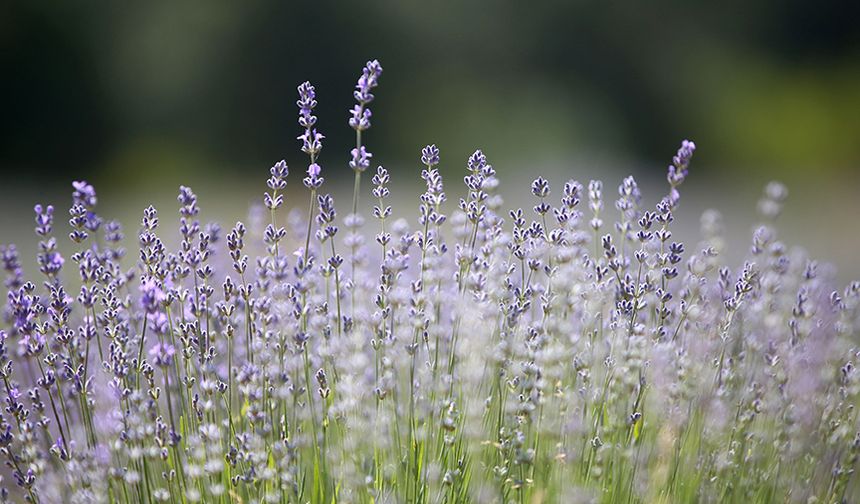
138, 97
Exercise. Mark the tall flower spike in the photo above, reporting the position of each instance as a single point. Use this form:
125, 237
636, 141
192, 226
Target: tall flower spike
277, 182
359, 120
434, 196
678, 170
306, 103
311, 138
368, 80
360, 115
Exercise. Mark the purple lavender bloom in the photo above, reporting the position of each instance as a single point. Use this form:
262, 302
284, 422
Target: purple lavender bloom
306, 103
279, 172
158, 322
12, 267
151, 295
360, 159
311, 138
477, 161
78, 220
678, 170
360, 115
23, 309
311, 141
162, 354
44, 219
51, 262
685, 153
360, 118
313, 180
188, 200
276, 182
84, 194
430, 155
368, 80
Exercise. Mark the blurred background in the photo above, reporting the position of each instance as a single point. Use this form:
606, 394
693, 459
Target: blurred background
138, 98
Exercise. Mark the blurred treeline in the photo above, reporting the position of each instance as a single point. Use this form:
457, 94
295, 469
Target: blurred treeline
93, 88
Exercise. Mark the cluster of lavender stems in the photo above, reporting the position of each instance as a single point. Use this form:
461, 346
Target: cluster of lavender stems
485, 354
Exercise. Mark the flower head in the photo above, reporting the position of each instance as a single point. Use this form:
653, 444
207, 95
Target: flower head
367, 81
151, 295
430, 155
360, 159
477, 161
162, 354
306, 103
311, 141
188, 200
51, 263
279, 172
44, 219
84, 194
685, 153
678, 170
311, 138
313, 180
359, 118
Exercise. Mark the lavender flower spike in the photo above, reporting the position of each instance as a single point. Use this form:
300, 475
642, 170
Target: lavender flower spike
360, 115
368, 80
685, 153
311, 138
306, 103
430, 155
678, 170
359, 120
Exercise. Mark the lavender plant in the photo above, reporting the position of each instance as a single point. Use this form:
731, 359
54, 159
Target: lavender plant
484, 354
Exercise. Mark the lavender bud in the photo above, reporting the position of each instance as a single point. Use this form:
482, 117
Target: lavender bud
360, 159
430, 156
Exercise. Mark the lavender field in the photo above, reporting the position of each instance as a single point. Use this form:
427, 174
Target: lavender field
572, 350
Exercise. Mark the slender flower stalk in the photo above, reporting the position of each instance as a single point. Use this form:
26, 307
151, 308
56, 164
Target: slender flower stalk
359, 120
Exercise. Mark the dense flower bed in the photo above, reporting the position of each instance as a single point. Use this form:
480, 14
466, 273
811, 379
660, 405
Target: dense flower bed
561, 353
